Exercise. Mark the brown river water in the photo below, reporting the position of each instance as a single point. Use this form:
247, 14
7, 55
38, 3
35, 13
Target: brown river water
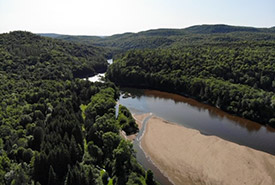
193, 114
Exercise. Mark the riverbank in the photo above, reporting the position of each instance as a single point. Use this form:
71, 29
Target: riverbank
188, 157
139, 118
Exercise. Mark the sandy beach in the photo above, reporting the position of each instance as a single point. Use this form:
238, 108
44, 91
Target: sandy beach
188, 157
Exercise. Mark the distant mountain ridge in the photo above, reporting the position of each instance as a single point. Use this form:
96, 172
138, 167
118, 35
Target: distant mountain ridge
51, 35
198, 29
221, 28
161, 38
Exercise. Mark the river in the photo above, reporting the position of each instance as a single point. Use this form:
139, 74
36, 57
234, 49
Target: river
193, 114
99, 76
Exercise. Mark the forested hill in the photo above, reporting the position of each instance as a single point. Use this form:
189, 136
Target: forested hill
43, 58
222, 28
231, 67
56, 128
163, 38
236, 77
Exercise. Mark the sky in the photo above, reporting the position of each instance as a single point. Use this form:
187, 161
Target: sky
108, 17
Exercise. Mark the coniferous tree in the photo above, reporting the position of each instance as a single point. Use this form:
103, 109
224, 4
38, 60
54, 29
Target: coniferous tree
52, 177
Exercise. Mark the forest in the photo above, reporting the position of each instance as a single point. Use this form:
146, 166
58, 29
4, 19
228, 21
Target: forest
166, 38
237, 77
55, 127
58, 128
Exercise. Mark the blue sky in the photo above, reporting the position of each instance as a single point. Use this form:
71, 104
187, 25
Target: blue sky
107, 17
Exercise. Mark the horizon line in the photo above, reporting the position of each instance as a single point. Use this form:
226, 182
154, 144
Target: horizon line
151, 29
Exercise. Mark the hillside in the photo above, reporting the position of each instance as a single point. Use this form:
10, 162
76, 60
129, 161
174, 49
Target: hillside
163, 38
30, 51
230, 67
221, 28
236, 77
57, 128
190, 61
51, 35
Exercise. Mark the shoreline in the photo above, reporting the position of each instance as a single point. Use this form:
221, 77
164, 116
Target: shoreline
185, 156
139, 118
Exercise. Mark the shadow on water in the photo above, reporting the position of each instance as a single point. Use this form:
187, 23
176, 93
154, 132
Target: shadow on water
204, 118
212, 111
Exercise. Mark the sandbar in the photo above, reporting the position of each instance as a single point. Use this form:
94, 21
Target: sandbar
186, 156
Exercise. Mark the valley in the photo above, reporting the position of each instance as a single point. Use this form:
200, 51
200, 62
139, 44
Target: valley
61, 122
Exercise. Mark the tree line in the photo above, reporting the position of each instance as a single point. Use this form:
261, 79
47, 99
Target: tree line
237, 77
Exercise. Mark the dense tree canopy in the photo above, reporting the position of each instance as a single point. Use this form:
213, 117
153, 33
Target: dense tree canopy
34, 57
238, 77
59, 129
56, 128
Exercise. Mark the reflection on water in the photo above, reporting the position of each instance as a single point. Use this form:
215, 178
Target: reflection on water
97, 78
110, 61
212, 111
207, 119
